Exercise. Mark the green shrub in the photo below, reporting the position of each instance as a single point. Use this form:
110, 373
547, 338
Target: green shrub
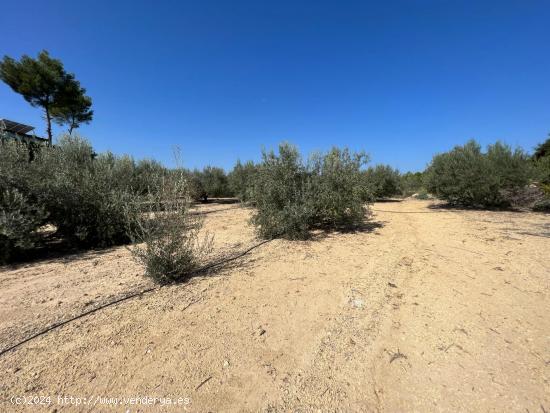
19, 222
241, 180
147, 176
541, 170
215, 182
542, 205
210, 182
292, 197
412, 183
84, 195
467, 176
166, 234
337, 188
542, 150
81, 193
383, 181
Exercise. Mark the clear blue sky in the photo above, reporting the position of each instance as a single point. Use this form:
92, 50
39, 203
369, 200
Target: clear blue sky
400, 79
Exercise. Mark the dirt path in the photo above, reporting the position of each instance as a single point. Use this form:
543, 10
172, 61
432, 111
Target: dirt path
426, 310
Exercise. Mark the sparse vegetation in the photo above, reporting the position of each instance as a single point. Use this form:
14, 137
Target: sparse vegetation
165, 233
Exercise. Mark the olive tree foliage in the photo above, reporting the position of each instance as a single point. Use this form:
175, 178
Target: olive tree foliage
542, 150
44, 83
467, 176
292, 196
166, 235
83, 193
211, 182
542, 170
241, 180
215, 182
383, 181
411, 183
79, 193
541, 165
20, 220
541, 174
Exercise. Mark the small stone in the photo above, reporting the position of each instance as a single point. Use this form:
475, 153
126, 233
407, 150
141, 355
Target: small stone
357, 303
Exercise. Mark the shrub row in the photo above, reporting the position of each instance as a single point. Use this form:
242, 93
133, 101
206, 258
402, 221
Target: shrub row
85, 196
81, 194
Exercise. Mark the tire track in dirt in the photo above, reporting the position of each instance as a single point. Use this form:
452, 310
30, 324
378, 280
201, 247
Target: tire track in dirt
470, 341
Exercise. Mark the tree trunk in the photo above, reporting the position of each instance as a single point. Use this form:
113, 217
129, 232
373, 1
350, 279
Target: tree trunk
49, 124
72, 125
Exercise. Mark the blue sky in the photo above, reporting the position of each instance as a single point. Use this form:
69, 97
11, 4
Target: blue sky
399, 79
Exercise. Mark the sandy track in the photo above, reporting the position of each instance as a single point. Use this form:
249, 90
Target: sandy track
427, 310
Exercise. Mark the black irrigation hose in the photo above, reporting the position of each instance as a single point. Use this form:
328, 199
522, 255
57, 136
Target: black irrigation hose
127, 297
62, 323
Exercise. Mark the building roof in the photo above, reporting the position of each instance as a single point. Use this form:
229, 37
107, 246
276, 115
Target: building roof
15, 127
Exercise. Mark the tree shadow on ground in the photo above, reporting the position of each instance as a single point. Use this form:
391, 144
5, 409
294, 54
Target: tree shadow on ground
57, 249
457, 207
236, 257
384, 200
323, 231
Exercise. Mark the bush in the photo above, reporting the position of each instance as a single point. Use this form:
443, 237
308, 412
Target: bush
466, 176
210, 182
19, 222
84, 196
412, 183
148, 175
241, 180
79, 192
383, 181
541, 169
542, 206
292, 197
542, 150
170, 234
215, 182
21, 214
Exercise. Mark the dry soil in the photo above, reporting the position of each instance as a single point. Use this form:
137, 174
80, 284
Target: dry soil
424, 310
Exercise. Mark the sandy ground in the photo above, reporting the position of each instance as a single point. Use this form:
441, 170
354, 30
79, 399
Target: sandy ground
426, 310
